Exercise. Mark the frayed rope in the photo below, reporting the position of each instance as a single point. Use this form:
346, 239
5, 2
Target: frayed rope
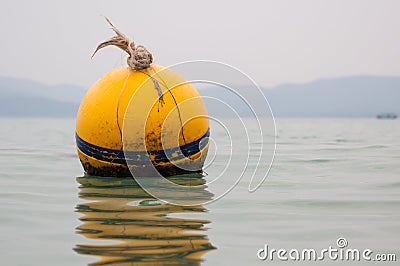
139, 57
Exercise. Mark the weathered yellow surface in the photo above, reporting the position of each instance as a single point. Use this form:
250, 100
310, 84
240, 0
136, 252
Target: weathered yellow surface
122, 110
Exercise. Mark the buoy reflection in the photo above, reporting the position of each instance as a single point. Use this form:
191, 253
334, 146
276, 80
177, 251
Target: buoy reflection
118, 210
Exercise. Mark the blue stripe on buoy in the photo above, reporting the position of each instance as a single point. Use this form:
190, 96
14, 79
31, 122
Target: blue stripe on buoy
133, 157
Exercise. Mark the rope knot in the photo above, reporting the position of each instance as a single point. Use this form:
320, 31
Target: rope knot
139, 57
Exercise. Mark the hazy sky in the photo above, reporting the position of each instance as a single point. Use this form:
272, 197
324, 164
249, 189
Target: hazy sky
272, 41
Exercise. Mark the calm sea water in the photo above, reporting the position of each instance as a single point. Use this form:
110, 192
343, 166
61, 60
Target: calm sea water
331, 178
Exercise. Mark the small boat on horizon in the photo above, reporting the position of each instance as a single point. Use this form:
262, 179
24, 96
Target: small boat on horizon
386, 116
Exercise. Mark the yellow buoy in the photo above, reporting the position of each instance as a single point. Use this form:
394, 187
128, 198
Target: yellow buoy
138, 118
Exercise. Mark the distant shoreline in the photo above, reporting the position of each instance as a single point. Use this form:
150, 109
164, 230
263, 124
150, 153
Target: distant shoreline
346, 97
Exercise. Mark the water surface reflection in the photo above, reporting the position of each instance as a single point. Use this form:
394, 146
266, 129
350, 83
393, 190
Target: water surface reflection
138, 227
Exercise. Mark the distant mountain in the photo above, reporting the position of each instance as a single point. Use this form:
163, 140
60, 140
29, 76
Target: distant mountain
28, 88
23, 106
21, 97
356, 96
362, 96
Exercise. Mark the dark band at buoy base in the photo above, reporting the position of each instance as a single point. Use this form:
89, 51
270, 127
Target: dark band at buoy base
120, 159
